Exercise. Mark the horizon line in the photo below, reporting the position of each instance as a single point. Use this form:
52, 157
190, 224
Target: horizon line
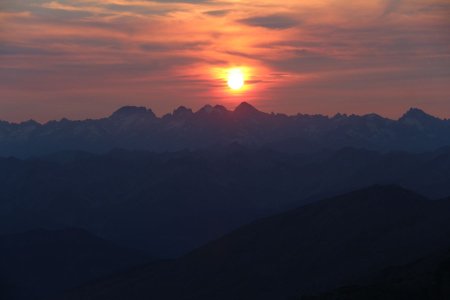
220, 106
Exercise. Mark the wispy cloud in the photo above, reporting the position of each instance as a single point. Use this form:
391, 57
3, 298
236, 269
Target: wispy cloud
277, 21
166, 53
217, 13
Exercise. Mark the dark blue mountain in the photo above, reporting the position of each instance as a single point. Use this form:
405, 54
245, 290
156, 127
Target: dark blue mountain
137, 128
40, 263
170, 203
346, 240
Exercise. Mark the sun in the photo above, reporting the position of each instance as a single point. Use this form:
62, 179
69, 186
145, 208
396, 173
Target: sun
236, 79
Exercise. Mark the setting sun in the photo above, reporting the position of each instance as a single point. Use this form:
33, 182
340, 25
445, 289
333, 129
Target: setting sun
236, 79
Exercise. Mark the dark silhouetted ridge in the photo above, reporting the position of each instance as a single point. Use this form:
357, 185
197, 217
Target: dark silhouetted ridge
133, 111
246, 109
209, 109
418, 115
380, 196
322, 246
182, 111
137, 128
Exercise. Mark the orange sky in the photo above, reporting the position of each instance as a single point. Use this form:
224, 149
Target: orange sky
85, 58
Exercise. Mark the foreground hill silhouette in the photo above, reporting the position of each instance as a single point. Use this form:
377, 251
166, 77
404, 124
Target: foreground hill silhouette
138, 128
39, 263
167, 204
345, 240
426, 278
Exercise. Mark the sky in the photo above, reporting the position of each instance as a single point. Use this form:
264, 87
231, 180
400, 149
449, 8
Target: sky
86, 58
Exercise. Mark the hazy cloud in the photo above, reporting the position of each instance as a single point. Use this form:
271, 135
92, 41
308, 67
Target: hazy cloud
218, 13
20, 50
153, 46
167, 53
277, 21
391, 6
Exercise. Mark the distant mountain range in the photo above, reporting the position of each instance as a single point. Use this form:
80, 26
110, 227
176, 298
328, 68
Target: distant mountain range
174, 187
169, 203
137, 128
382, 242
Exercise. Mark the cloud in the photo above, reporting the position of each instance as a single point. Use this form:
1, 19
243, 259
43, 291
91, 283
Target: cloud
171, 46
123, 49
305, 61
391, 6
217, 13
21, 50
183, 1
277, 21
242, 54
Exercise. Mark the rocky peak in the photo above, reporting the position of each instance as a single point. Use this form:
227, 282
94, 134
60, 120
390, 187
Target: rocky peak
126, 112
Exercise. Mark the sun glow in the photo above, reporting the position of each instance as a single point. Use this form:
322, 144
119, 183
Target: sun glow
236, 79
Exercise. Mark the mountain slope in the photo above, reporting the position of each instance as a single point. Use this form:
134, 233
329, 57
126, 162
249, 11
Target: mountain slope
171, 203
37, 263
315, 248
426, 278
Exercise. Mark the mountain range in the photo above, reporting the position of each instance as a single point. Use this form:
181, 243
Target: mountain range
169, 203
382, 235
138, 128
224, 204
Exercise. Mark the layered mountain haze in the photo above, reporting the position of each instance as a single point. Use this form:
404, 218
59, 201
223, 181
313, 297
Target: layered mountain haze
138, 128
344, 240
169, 203
260, 176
